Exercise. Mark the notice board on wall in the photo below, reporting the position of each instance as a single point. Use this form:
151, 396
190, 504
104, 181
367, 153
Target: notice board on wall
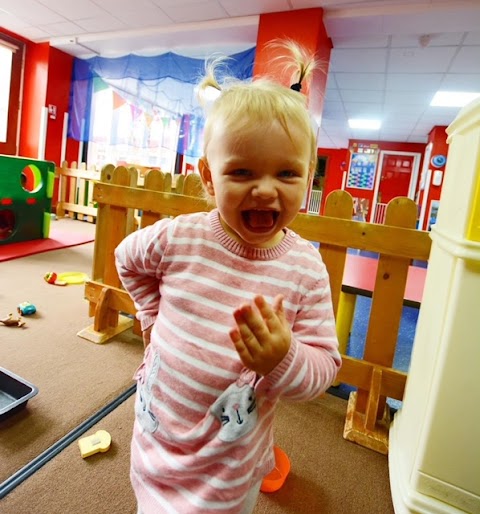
362, 168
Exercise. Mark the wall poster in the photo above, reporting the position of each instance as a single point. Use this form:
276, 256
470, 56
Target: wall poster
361, 172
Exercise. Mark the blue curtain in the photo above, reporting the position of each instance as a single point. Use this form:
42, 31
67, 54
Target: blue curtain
160, 84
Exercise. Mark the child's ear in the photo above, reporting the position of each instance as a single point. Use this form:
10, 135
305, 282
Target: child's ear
206, 176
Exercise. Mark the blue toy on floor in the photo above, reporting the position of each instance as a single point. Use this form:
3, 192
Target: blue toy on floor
26, 190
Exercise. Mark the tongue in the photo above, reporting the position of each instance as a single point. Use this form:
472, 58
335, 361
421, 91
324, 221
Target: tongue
260, 219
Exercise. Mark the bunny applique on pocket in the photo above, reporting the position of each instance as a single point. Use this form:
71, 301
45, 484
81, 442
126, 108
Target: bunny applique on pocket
144, 398
236, 408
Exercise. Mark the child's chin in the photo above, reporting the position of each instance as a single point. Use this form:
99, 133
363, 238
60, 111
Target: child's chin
261, 238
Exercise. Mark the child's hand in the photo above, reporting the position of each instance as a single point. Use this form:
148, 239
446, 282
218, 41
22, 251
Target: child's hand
262, 336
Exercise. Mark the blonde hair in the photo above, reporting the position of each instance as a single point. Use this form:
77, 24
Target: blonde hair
244, 104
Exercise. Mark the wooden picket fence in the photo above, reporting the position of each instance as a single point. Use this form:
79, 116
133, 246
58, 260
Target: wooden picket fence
75, 188
397, 242
75, 191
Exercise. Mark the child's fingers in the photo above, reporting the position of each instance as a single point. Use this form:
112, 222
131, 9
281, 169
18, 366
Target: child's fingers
246, 340
270, 314
278, 305
251, 324
242, 350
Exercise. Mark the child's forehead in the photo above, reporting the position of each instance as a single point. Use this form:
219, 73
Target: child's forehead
245, 125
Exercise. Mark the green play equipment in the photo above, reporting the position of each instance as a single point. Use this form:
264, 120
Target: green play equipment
26, 190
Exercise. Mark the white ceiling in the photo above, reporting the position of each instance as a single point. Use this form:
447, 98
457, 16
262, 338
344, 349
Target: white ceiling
389, 57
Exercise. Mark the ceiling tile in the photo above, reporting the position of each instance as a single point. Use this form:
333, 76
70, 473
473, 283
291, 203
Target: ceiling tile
371, 60
408, 97
62, 29
394, 136
365, 134
332, 108
379, 41
472, 38
138, 14
249, 7
362, 110
206, 10
185, 4
337, 128
358, 26
12, 22
396, 107
31, 11
74, 9
444, 21
332, 95
459, 82
360, 81
423, 60
101, 24
352, 95
413, 40
467, 60
414, 81
33, 33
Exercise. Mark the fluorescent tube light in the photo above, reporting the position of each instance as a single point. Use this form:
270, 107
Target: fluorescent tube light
364, 124
452, 98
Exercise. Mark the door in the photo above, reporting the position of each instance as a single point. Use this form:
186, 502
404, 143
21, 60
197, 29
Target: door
395, 177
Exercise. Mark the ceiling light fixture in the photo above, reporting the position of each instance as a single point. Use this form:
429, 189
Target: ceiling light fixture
357, 123
453, 98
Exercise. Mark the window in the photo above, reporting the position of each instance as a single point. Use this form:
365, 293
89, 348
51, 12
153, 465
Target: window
6, 74
11, 61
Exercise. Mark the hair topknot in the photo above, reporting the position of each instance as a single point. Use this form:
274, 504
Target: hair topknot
244, 103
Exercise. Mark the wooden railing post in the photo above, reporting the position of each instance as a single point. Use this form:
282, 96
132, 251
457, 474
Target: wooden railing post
113, 224
338, 204
364, 425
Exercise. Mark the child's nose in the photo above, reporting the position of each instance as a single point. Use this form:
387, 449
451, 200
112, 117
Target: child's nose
265, 187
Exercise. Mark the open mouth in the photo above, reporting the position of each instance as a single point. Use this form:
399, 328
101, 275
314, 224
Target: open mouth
258, 219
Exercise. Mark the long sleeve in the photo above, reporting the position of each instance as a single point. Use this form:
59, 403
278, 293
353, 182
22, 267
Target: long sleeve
138, 259
313, 361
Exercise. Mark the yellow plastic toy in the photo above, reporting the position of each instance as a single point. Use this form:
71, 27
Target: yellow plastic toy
98, 442
68, 277
73, 277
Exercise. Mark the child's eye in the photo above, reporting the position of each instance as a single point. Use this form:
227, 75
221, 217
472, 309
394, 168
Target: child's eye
288, 174
241, 172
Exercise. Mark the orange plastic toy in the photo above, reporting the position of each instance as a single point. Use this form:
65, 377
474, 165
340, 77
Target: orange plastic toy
276, 478
52, 278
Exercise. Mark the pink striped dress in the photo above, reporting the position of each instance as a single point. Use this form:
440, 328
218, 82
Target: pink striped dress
203, 427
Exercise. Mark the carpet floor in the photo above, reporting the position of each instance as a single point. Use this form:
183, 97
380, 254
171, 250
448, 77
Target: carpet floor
329, 475
75, 378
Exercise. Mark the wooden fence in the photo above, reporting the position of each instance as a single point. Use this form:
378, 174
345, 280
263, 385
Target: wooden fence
396, 241
75, 188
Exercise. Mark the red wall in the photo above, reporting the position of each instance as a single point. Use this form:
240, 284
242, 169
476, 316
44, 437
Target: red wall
34, 93
337, 162
47, 80
305, 26
58, 94
334, 173
438, 138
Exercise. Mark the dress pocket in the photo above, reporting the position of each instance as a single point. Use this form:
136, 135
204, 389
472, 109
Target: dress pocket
143, 411
236, 408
